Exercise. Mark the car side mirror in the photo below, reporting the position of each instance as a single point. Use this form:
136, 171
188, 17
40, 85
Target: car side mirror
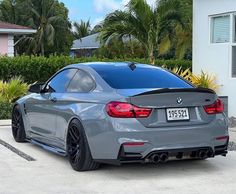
36, 88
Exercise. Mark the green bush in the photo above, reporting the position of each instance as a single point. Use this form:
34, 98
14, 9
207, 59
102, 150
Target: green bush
6, 109
39, 69
31, 69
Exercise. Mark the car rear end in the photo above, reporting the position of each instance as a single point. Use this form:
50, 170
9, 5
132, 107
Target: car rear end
155, 127
174, 121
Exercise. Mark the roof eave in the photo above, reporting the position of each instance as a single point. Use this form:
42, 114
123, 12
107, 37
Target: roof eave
17, 31
81, 48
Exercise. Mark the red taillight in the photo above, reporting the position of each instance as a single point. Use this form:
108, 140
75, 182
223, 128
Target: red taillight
133, 144
222, 138
217, 107
126, 110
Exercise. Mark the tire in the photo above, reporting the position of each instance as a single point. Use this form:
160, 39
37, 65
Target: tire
78, 150
18, 129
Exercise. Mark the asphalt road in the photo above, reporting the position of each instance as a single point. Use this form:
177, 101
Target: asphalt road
52, 174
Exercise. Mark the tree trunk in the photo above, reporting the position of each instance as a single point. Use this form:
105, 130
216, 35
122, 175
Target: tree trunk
131, 45
42, 49
151, 56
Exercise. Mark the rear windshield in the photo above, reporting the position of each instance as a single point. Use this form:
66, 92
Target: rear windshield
143, 76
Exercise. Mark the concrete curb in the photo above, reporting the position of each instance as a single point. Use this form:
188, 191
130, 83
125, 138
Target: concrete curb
5, 122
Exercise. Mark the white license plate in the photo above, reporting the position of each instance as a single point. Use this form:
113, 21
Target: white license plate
177, 114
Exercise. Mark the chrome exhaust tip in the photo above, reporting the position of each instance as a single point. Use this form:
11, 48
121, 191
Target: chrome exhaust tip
202, 154
209, 153
163, 157
155, 158
180, 155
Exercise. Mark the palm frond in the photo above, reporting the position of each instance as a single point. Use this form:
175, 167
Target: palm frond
205, 80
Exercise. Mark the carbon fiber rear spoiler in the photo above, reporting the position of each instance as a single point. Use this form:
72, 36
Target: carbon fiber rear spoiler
169, 90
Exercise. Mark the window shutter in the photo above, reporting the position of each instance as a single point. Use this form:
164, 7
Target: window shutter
221, 29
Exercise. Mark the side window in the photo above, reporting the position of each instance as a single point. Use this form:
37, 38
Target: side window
81, 82
60, 82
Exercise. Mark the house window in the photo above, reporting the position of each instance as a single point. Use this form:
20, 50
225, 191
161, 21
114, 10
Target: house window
234, 61
220, 29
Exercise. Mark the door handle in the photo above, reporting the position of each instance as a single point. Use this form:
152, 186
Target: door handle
53, 99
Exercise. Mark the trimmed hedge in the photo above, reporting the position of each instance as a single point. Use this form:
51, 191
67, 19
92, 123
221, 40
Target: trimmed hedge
6, 109
39, 69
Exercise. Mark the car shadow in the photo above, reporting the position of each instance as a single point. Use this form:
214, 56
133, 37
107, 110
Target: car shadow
171, 168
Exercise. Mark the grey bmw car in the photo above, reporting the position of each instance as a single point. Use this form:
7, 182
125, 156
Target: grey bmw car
118, 113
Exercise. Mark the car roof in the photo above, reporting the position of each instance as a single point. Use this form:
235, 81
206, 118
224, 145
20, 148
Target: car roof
110, 65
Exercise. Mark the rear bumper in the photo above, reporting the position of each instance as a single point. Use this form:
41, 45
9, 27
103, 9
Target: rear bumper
108, 146
175, 154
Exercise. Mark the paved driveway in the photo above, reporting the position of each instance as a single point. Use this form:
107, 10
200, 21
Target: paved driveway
52, 174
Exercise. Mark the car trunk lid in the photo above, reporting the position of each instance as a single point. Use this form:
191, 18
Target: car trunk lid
164, 100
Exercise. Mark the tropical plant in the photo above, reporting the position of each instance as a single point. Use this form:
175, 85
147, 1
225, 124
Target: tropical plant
185, 73
143, 23
205, 80
178, 34
82, 29
12, 90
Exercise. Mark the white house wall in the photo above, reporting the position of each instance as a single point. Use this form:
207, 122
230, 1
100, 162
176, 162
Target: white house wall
10, 46
214, 58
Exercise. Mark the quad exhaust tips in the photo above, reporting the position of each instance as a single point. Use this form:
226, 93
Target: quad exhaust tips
163, 157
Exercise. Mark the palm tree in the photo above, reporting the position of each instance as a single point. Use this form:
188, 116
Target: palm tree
8, 11
178, 35
141, 21
82, 29
184, 43
46, 21
97, 28
11, 11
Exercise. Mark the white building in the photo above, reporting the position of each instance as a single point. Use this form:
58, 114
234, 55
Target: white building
214, 44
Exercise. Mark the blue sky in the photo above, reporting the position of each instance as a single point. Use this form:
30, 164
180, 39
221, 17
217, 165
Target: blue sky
95, 10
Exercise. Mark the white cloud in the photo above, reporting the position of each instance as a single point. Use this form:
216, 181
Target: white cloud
106, 5
102, 6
